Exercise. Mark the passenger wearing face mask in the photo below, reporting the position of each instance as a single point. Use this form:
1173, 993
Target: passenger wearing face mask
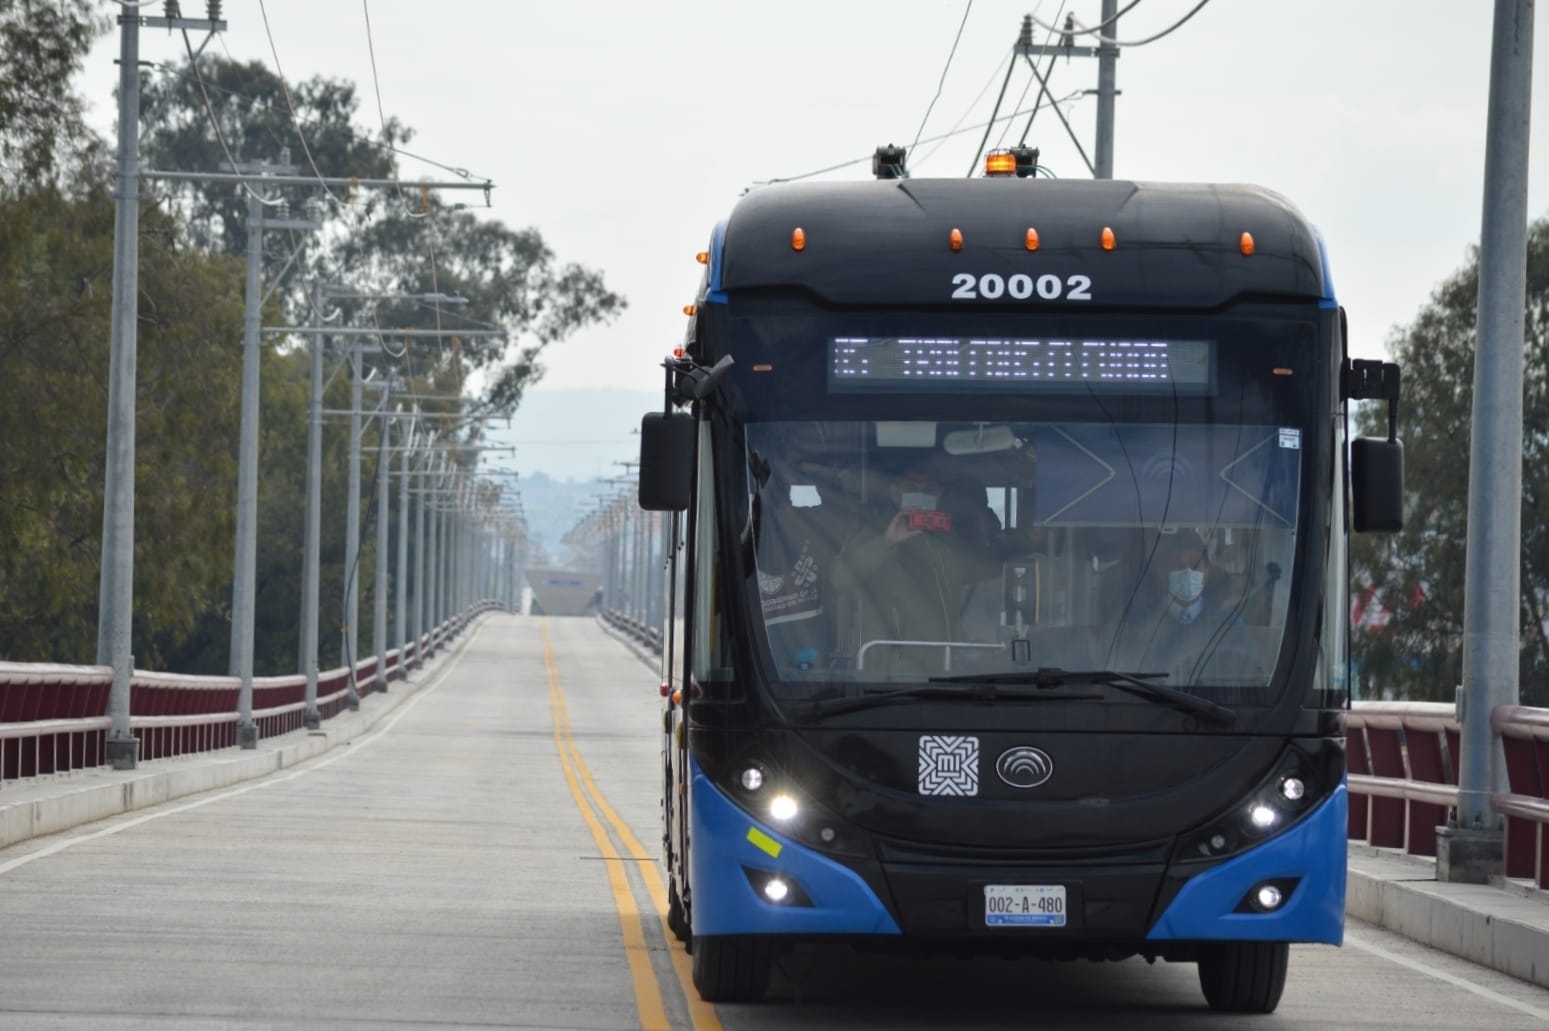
907, 575
1192, 593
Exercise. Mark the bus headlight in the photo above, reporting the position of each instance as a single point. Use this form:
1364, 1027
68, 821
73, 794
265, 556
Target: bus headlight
1278, 801
782, 808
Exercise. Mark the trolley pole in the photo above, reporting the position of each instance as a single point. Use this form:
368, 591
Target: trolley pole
1471, 850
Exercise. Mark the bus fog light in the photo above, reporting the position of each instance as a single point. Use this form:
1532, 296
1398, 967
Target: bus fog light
1268, 896
775, 890
752, 778
1292, 789
782, 807
1262, 817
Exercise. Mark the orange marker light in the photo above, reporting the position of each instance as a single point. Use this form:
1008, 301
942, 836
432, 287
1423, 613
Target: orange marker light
1032, 238
956, 239
1246, 244
689, 309
763, 368
1281, 371
1107, 239
798, 239
703, 257
1000, 162
677, 352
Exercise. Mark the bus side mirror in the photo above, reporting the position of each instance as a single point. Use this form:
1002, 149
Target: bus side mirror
666, 461
1377, 485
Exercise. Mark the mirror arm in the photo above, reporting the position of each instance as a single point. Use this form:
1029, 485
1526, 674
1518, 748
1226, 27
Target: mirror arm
1368, 379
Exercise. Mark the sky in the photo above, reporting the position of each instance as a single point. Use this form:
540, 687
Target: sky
624, 131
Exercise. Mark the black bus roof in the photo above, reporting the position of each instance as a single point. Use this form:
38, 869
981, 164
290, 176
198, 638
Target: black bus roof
1175, 245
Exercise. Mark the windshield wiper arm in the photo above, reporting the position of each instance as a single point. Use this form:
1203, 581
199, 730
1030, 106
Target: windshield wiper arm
833, 705
1135, 683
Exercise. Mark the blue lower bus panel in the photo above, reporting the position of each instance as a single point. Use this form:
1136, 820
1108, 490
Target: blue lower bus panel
1309, 857
733, 854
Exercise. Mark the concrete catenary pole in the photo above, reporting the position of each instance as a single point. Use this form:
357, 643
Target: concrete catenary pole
1107, 60
401, 591
1492, 602
348, 639
115, 600
311, 560
243, 587
379, 608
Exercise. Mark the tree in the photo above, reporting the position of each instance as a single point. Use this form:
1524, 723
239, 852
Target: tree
380, 241
1415, 579
42, 46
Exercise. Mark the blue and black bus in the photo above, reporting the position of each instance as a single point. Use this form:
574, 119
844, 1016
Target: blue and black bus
1009, 603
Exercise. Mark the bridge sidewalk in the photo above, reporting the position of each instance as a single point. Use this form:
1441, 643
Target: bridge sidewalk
1503, 926
52, 805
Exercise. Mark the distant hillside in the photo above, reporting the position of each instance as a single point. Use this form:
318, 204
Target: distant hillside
567, 442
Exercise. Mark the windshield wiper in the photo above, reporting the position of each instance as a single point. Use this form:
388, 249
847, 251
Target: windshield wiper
986, 693
1135, 683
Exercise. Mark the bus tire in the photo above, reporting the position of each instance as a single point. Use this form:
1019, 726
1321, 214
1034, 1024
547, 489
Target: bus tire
731, 967
677, 916
1244, 977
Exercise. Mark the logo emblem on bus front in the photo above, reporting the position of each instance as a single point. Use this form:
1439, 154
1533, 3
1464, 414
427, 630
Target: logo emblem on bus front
1024, 766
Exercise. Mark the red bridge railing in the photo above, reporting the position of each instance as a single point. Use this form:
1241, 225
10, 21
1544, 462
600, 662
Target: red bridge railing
53, 716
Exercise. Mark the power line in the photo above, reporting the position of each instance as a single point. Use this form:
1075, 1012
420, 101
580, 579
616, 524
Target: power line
943, 81
1110, 41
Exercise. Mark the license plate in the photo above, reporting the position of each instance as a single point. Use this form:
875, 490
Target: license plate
1024, 905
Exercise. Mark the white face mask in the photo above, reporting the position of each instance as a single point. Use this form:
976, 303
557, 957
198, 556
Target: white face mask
914, 499
1185, 585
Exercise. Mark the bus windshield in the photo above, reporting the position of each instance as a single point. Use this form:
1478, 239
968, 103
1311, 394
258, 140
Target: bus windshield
1139, 526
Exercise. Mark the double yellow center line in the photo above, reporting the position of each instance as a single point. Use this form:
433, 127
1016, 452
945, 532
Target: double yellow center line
590, 801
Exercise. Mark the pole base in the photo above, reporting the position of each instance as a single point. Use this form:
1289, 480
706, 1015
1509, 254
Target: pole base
247, 735
312, 720
1467, 856
123, 754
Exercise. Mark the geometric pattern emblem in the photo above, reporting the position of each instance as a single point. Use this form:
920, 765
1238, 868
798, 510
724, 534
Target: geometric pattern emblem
949, 765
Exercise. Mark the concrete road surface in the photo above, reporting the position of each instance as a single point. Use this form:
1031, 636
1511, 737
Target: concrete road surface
486, 858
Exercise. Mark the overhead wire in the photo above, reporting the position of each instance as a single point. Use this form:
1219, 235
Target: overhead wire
1110, 41
215, 124
941, 82
1076, 95
291, 107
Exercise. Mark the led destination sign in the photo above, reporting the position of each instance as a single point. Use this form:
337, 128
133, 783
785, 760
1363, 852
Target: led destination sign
966, 363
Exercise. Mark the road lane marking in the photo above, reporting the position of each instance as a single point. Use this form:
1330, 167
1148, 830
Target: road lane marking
649, 1003
1441, 975
266, 781
700, 1012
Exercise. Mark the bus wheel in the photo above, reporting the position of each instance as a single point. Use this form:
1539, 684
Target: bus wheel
1244, 977
677, 917
731, 967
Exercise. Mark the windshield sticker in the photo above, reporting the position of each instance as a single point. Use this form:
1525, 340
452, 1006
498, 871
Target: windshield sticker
949, 765
1290, 438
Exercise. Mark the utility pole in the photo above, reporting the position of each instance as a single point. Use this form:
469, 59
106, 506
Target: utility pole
311, 562
1107, 54
1471, 851
244, 580
115, 598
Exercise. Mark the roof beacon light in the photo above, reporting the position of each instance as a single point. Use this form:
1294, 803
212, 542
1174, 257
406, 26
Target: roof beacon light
798, 239
1107, 239
1032, 238
956, 239
1000, 162
1246, 244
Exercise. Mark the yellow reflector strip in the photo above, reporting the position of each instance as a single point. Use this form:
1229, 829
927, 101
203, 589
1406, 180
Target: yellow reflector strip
764, 842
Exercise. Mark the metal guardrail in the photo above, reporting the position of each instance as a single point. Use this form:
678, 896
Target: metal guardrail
1403, 778
52, 715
